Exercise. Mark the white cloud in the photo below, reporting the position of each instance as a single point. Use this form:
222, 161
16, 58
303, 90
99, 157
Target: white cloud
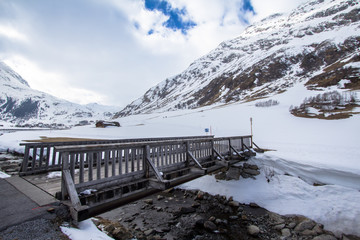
12, 33
51, 82
265, 8
87, 51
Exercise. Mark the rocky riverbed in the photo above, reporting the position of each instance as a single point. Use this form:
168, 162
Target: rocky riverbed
10, 162
189, 214
184, 214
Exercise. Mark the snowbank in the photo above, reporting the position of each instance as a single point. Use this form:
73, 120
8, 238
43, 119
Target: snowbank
86, 230
335, 206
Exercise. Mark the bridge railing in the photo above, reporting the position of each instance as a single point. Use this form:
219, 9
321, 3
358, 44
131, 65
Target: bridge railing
40, 157
95, 163
108, 167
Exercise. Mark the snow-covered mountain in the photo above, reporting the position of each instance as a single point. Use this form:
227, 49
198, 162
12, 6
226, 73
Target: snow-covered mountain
22, 105
317, 44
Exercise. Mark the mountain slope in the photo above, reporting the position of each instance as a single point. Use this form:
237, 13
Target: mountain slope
22, 105
317, 43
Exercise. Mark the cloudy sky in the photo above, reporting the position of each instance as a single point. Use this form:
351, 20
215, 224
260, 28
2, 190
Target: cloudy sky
112, 51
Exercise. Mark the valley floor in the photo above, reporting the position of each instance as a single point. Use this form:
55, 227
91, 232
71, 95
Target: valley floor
314, 169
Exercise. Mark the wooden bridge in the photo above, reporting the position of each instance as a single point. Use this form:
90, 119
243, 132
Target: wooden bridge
100, 175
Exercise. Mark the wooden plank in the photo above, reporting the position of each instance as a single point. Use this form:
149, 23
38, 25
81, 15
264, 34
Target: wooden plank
47, 157
65, 166
113, 162
237, 153
53, 158
33, 166
98, 165
24, 165
41, 156
138, 155
119, 157
90, 166
154, 169
171, 154
162, 156
81, 168
218, 154
192, 157
157, 156
72, 165
106, 159
132, 159
126, 156
71, 190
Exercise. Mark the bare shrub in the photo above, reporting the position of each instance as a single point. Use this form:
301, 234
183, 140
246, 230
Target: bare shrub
267, 103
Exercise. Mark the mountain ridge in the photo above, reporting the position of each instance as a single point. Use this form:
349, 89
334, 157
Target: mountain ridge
24, 106
307, 45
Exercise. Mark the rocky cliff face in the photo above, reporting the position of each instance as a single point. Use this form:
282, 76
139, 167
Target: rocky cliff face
22, 105
318, 43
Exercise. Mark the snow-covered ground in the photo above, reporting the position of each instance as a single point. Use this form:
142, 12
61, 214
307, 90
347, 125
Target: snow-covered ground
307, 151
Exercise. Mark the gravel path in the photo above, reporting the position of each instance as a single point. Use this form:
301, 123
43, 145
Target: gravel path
39, 229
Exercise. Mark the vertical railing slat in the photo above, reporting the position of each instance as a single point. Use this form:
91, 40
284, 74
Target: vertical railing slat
98, 165
33, 166
81, 168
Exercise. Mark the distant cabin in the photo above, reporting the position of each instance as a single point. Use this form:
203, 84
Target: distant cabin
103, 124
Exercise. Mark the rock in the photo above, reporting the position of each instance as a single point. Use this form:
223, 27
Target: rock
319, 229
212, 218
253, 230
285, 232
291, 225
186, 210
306, 224
233, 173
234, 217
51, 210
218, 221
121, 233
254, 205
234, 204
324, 237
279, 226
350, 237
160, 197
251, 171
149, 232
308, 232
244, 217
200, 195
246, 175
210, 226
195, 205
158, 209
250, 166
200, 222
220, 176
149, 201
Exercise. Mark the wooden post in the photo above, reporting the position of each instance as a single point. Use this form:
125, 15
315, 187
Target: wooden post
24, 164
65, 166
251, 129
187, 154
145, 165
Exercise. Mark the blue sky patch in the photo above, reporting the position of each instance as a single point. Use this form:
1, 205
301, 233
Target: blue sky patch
175, 21
246, 7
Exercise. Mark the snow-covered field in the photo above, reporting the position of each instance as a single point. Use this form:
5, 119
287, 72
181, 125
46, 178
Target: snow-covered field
307, 151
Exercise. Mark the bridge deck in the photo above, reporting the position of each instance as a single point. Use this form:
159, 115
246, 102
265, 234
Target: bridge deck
98, 176
51, 182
